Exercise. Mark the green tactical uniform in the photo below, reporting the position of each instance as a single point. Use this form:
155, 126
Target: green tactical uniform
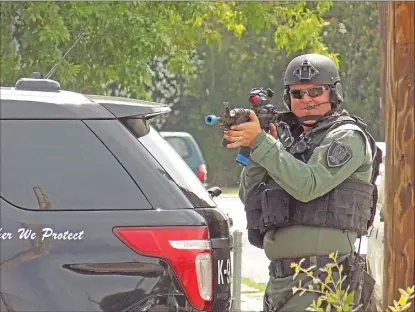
309, 202
305, 182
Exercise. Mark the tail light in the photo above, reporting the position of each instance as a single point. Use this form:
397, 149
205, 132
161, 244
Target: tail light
201, 172
187, 249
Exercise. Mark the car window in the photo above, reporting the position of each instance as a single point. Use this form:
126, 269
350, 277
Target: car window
68, 162
154, 181
174, 165
180, 145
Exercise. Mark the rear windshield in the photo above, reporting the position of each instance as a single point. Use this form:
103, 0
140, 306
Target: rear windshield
65, 161
86, 165
173, 163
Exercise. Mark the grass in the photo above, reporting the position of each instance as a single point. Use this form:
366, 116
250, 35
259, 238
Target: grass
229, 190
259, 286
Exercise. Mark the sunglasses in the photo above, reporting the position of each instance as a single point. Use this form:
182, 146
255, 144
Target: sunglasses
312, 92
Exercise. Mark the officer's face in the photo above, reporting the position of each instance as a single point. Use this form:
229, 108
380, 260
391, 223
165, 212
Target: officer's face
309, 99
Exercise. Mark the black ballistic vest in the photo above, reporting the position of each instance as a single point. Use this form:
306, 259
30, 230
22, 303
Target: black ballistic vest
349, 206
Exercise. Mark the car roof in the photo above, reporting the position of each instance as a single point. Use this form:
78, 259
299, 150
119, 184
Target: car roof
43, 99
59, 97
25, 104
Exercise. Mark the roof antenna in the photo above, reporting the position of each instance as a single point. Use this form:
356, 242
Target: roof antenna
50, 73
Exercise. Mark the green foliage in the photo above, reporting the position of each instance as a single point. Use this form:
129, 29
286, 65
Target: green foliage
230, 70
351, 29
403, 304
259, 287
331, 291
241, 45
121, 38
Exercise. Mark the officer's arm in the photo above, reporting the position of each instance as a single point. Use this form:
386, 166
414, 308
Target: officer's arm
307, 181
251, 175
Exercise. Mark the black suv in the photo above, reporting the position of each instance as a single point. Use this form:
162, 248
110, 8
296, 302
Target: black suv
99, 213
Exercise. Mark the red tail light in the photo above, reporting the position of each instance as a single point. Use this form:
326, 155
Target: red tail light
201, 172
186, 249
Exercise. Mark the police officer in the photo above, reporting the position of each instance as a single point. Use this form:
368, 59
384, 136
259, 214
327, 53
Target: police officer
313, 195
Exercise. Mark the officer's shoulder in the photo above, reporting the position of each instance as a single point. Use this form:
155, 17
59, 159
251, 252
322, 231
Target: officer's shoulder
348, 139
342, 144
349, 133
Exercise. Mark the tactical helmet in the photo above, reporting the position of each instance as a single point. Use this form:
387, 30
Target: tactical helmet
314, 69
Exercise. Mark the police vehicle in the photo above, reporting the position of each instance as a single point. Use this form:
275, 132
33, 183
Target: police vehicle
99, 212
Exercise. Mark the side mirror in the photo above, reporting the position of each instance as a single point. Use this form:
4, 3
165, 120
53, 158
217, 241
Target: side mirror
214, 191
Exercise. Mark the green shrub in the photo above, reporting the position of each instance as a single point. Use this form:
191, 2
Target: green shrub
331, 291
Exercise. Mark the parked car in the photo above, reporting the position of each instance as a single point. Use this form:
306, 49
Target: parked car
375, 246
99, 213
187, 147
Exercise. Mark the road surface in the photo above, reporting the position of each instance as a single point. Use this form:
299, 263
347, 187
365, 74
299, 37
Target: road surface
254, 262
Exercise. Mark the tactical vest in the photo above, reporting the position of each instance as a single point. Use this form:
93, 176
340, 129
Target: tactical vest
349, 206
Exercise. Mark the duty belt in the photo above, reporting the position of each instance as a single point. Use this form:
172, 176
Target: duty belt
282, 267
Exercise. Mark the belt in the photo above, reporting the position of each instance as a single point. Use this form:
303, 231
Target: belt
282, 267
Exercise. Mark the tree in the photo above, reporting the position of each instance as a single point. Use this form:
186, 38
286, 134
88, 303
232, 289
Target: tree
227, 72
127, 44
352, 30
121, 38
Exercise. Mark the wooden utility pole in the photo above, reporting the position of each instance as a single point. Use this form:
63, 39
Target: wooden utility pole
400, 150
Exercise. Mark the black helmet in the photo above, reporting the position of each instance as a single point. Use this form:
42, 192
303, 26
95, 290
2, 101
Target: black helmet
315, 69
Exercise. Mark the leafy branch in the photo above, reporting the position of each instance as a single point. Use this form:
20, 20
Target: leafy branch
334, 295
331, 291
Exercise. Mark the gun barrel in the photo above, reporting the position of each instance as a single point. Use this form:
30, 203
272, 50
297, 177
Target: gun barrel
211, 119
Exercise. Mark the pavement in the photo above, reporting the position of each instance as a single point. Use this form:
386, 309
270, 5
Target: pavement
251, 299
254, 262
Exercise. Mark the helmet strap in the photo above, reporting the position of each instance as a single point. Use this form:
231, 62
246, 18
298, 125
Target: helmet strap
316, 118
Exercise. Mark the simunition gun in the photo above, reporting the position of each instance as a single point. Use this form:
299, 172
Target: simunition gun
260, 101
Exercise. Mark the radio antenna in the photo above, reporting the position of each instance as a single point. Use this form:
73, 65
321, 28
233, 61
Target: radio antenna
50, 73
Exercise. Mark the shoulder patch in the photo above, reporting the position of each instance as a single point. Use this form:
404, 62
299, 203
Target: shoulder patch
337, 154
